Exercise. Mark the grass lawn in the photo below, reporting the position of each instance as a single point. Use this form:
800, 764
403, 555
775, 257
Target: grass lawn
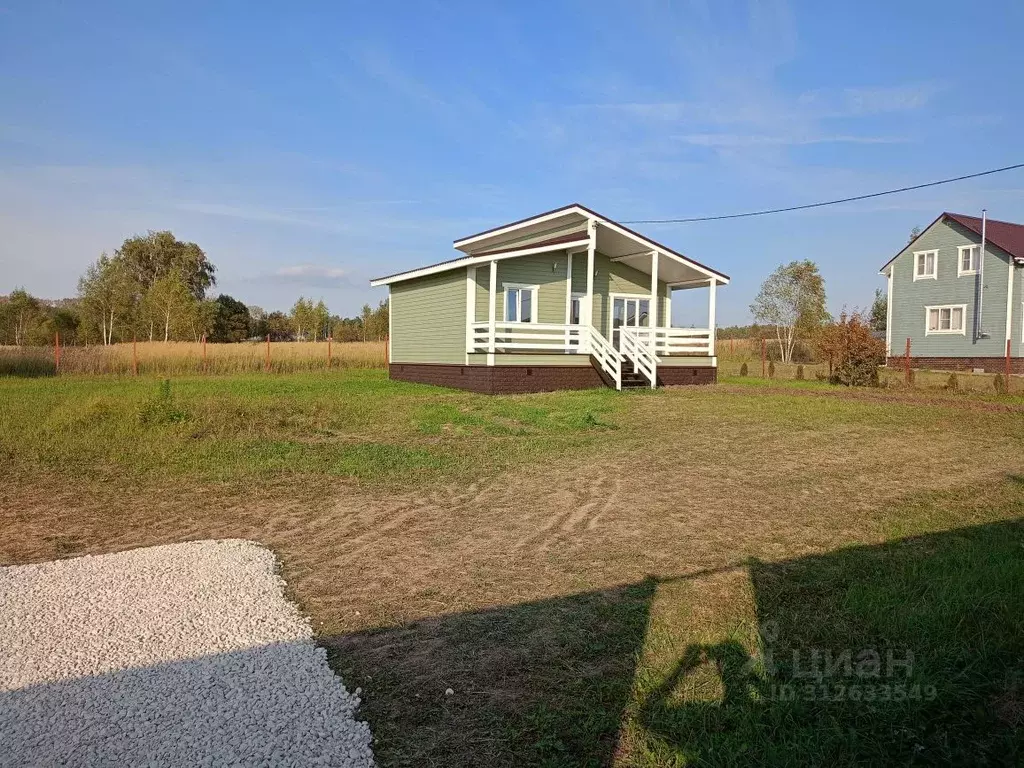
742, 574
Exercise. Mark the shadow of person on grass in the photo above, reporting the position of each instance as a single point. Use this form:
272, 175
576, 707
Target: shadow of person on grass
910, 652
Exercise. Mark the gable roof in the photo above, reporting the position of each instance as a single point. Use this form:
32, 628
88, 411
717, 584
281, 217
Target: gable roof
465, 244
1003, 234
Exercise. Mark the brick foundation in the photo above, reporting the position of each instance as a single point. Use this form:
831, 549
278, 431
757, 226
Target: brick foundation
519, 379
499, 379
676, 375
989, 364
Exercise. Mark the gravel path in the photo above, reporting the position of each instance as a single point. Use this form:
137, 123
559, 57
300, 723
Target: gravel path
187, 654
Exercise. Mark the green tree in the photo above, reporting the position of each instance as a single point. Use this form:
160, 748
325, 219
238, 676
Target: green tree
321, 320
303, 317
151, 257
792, 299
170, 301
366, 318
257, 321
107, 295
279, 326
21, 312
879, 312
231, 322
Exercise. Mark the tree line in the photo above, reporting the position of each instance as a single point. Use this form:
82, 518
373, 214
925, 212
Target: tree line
154, 287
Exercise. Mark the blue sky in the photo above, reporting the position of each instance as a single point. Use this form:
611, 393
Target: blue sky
308, 147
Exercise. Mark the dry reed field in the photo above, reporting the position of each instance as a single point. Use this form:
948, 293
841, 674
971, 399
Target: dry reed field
182, 357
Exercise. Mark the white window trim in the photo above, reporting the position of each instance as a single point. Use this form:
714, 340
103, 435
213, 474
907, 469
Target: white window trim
533, 289
960, 272
581, 296
611, 308
935, 274
963, 329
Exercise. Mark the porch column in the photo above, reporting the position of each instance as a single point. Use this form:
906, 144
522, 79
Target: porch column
591, 249
470, 309
712, 285
568, 297
491, 310
652, 318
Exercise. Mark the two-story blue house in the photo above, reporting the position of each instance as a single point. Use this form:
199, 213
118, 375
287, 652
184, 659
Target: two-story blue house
958, 302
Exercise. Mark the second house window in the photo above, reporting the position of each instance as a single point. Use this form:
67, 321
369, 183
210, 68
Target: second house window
520, 301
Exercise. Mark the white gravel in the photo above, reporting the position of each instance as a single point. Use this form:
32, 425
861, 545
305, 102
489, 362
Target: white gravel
187, 654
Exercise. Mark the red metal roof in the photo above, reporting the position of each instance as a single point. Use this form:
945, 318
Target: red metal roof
1003, 234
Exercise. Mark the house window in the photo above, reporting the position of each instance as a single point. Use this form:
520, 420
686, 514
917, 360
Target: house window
925, 264
949, 319
520, 301
575, 313
967, 263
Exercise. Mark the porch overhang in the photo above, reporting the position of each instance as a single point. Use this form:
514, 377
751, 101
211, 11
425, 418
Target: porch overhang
567, 229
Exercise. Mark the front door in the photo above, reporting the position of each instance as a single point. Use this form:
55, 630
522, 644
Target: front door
632, 312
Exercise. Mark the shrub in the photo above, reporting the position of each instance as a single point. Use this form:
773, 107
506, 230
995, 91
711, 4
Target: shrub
771, 369
799, 373
162, 409
1000, 384
743, 370
854, 354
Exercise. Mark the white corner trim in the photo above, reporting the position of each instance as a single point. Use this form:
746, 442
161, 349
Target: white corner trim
470, 308
960, 271
962, 331
888, 314
1009, 304
934, 275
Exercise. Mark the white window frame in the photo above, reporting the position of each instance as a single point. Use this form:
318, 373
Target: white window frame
962, 331
934, 275
960, 271
533, 289
580, 296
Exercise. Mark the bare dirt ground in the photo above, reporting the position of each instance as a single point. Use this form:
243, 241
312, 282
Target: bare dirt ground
683, 491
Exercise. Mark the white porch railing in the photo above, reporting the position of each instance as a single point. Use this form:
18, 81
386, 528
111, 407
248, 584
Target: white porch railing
537, 337
676, 341
548, 337
609, 358
643, 361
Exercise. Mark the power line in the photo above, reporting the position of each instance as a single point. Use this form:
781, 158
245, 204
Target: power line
826, 202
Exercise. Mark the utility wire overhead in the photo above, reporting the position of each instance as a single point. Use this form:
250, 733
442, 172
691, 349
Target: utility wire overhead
826, 202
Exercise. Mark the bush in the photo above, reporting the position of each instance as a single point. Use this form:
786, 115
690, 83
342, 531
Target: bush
853, 352
162, 409
771, 369
799, 373
1000, 384
743, 370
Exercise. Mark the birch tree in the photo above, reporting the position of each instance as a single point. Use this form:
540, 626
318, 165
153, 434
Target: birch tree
792, 299
107, 294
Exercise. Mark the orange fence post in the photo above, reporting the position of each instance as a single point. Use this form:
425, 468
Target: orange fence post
764, 357
135, 356
204, 353
906, 363
56, 351
329, 340
266, 364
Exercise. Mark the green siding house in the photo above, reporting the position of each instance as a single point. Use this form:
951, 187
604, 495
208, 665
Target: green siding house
566, 299
956, 296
